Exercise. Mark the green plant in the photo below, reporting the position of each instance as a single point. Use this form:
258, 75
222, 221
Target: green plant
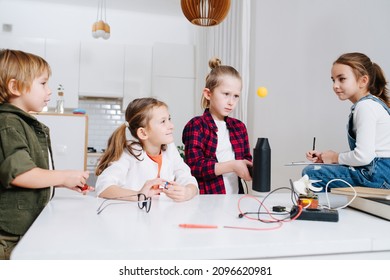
181, 151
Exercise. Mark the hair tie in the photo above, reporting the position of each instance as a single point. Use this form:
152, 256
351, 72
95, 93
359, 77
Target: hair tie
127, 124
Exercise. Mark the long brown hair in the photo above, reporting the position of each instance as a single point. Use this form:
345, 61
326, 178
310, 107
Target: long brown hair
362, 65
138, 114
214, 78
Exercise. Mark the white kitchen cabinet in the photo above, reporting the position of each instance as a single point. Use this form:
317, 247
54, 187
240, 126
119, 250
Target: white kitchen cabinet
101, 69
69, 138
31, 45
64, 57
178, 94
173, 82
173, 60
138, 73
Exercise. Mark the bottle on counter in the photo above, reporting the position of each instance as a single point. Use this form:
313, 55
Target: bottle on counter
261, 166
60, 100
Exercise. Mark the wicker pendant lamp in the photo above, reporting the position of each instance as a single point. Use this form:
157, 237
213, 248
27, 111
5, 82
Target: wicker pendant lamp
205, 12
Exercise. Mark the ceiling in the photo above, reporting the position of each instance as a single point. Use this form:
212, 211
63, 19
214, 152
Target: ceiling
162, 7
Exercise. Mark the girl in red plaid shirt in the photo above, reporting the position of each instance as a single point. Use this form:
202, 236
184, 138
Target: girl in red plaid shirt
217, 146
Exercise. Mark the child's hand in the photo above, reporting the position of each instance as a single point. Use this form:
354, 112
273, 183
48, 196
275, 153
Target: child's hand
85, 189
314, 156
80, 179
241, 169
179, 193
330, 157
149, 188
75, 180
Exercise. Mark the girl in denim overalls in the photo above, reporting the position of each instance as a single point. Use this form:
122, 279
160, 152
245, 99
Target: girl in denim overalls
367, 164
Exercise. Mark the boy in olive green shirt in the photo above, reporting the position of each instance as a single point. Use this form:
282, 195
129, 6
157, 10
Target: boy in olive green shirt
26, 166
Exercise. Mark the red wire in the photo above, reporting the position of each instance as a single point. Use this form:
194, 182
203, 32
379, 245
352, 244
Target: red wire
280, 222
297, 215
266, 209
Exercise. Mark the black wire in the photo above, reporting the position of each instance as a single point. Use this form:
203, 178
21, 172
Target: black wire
246, 186
262, 204
294, 201
100, 209
241, 215
293, 192
120, 201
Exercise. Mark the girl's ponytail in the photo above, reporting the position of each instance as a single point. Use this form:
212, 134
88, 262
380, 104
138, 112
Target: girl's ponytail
378, 85
117, 143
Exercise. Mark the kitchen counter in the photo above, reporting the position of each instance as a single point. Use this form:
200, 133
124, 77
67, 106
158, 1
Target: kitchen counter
124, 232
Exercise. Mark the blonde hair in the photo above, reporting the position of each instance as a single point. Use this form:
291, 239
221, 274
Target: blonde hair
138, 114
215, 77
22, 67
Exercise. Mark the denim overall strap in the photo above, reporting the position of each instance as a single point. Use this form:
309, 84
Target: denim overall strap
351, 134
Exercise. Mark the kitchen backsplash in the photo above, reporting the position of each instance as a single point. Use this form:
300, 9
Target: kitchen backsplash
104, 116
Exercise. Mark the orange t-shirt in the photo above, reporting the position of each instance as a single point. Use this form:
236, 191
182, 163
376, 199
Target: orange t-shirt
158, 160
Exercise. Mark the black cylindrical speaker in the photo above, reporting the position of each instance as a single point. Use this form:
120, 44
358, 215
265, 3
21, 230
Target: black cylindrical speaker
261, 166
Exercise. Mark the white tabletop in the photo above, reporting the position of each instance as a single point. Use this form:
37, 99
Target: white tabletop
69, 228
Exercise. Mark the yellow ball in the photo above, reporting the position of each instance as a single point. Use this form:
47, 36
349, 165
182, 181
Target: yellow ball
262, 92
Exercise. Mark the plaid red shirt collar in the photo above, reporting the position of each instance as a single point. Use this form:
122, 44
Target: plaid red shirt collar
210, 121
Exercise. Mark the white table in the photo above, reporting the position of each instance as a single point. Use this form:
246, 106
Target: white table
69, 228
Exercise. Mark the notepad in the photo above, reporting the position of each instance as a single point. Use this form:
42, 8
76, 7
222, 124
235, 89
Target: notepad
375, 206
294, 163
363, 192
370, 200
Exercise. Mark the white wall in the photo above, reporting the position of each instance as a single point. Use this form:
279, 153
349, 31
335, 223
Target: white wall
295, 44
40, 19
56, 21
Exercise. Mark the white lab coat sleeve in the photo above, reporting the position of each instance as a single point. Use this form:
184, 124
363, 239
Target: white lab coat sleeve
114, 174
181, 171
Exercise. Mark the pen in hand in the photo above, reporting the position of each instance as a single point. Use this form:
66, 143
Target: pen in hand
314, 143
313, 155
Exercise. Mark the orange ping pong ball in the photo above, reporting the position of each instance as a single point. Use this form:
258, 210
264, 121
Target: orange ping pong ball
262, 92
